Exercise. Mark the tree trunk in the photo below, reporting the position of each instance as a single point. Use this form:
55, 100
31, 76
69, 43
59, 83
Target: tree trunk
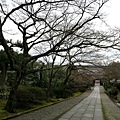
11, 100
41, 76
3, 74
10, 103
48, 95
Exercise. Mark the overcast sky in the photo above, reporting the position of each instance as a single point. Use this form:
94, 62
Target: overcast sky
112, 10
112, 18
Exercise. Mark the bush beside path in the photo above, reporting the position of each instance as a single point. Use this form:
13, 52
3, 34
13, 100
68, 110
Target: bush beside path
53, 111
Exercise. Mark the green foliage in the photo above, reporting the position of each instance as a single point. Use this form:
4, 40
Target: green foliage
31, 79
3, 57
3, 113
67, 93
118, 86
24, 98
2, 103
35, 80
18, 58
106, 85
39, 93
77, 86
61, 92
113, 91
82, 89
58, 92
59, 73
71, 88
10, 78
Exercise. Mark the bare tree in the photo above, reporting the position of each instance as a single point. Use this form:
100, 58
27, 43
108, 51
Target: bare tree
112, 71
65, 24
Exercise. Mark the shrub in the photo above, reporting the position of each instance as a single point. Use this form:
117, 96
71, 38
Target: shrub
40, 93
113, 91
67, 93
58, 92
118, 86
24, 98
82, 89
77, 86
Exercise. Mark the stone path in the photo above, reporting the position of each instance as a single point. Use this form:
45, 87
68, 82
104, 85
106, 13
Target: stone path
84, 107
52, 112
88, 109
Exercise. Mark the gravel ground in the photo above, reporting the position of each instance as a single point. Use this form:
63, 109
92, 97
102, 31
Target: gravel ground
53, 111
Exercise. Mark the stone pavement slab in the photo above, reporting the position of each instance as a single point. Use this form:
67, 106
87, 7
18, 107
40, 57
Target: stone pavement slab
88, 109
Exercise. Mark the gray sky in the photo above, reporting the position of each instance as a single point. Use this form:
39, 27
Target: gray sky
112, 9
112, 18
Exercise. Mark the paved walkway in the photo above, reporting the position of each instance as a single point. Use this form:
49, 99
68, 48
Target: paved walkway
53, 111
88, 109
84, 107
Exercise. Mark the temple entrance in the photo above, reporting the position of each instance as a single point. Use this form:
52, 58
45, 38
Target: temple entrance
97, 82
